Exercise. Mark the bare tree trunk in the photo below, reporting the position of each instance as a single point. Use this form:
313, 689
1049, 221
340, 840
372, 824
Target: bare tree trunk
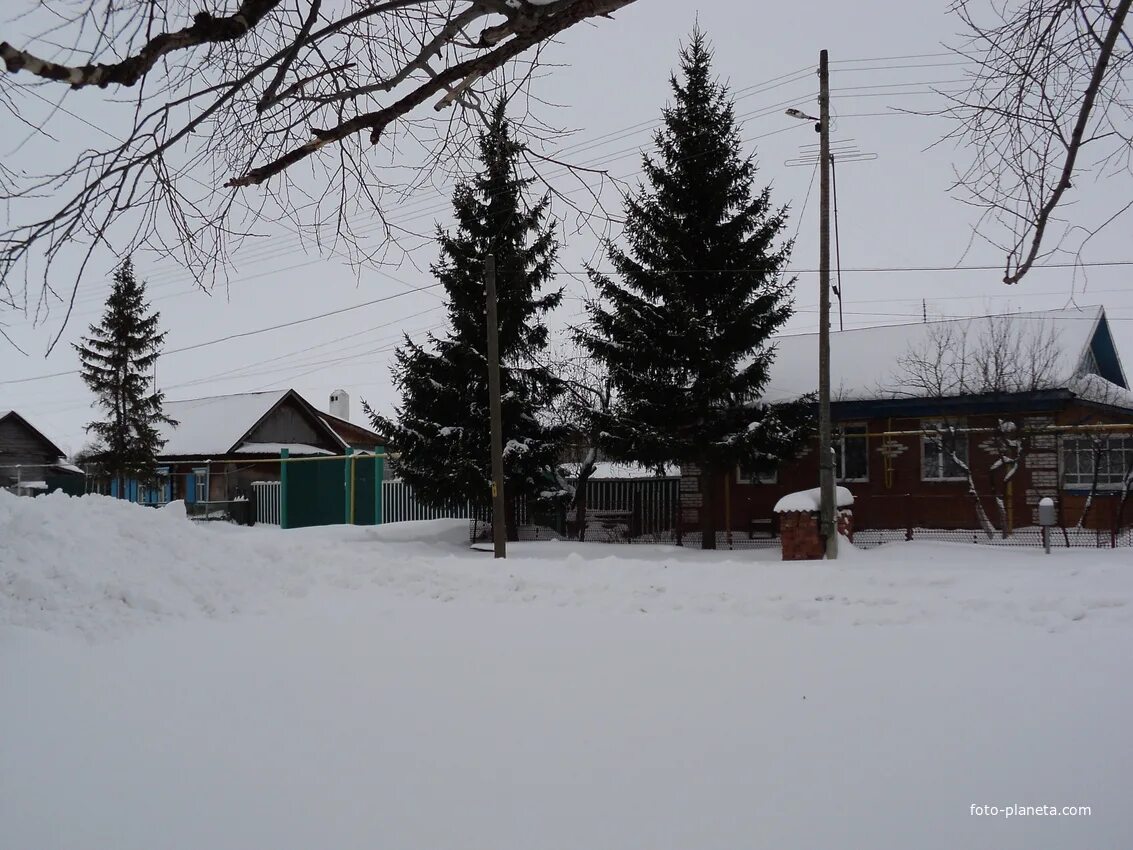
1120, 516
1098, 450
585, 471
974, 495
973, 491
1001, 509
707, 508
981, 514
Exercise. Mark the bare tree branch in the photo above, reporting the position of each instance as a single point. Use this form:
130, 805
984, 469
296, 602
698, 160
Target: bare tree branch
206, 29
1051, 79
239, 99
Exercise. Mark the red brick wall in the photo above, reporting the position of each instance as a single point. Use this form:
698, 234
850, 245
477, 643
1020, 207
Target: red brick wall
895, 496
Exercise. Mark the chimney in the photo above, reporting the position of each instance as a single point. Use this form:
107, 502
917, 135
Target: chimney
340, 404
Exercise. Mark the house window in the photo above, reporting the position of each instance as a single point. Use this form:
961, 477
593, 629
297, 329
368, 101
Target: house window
763, 471
201, 477
153, 492
944, 453
1114, 456
851, 452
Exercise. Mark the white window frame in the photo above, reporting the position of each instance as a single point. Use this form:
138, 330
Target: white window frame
1083, 479
926, 440
202, 482
840, 448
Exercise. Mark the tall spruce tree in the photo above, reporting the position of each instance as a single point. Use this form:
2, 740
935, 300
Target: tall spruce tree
684, 325
117, 361
442, 428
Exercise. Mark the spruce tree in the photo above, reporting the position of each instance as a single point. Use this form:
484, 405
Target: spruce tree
442, 428
117, 360
684, 322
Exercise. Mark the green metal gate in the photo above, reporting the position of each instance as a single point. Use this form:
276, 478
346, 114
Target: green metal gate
331, 490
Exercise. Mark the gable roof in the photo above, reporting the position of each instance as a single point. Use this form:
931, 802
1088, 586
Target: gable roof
863, 362
217, 425
353, 435
50, 446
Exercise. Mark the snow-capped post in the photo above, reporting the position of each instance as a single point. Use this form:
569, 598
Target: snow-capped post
1047, 518
499, 532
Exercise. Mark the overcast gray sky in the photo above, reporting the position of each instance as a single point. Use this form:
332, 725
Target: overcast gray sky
895, 211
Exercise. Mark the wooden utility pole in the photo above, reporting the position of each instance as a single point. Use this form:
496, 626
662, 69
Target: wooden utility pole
499, 530
828, 504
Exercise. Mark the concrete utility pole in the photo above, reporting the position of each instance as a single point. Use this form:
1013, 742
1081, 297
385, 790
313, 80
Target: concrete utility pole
499, 530
828, 503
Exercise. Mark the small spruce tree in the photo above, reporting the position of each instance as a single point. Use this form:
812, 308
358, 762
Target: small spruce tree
683, 326
442, 429
117, 360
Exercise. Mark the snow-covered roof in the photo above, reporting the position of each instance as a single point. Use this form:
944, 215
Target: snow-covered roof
215, 424
1097, 389
609, 470
274, 449
350, 434
6, 413
810, 500
863, 362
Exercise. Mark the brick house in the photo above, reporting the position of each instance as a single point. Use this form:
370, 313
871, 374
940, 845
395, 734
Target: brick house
911, 479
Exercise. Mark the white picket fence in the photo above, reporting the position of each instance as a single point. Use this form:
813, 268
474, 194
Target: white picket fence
267, 501
399, 504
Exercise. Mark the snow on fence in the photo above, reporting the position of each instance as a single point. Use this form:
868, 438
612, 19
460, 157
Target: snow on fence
267, 501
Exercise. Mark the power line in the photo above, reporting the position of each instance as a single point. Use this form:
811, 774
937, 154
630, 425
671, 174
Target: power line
420, 212
239, 372
869, 269
244, 334
568, 272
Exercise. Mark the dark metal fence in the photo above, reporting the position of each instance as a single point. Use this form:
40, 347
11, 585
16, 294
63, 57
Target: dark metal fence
618, 510
632, 510
1060, 538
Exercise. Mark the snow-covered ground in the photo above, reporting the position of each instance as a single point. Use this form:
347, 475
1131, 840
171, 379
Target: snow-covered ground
181, 686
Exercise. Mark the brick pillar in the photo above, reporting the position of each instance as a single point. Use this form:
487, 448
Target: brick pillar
798, 532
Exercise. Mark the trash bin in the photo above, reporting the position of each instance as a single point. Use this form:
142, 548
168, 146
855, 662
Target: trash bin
238, 511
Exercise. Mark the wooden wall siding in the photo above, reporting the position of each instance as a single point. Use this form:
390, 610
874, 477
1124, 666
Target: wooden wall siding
289, 424
22, 445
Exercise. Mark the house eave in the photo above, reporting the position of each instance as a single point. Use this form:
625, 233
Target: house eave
1038, 401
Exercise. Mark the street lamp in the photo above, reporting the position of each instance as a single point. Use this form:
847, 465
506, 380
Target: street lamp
802, 116
827, 504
